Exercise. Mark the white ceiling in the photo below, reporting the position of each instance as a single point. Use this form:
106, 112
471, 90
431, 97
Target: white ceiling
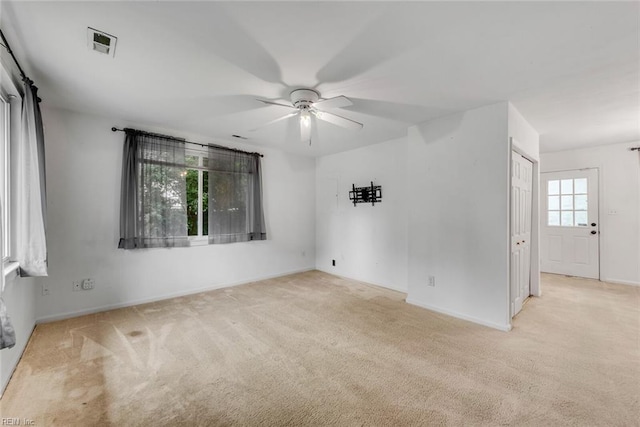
571, 68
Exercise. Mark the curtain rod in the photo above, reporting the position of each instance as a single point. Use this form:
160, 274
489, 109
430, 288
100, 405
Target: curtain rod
115, 129
8, 48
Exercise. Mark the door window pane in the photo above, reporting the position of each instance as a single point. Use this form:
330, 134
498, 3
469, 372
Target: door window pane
566, 219
581, 218
567, 202
580, 186
581, 202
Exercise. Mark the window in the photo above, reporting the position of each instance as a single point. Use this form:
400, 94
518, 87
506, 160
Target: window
235, 197
197, 195
174, 196
567, 202
5, 192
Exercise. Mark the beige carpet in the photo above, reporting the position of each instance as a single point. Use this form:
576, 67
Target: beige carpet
313, 349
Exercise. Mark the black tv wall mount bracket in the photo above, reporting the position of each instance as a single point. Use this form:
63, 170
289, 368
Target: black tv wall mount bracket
371, 194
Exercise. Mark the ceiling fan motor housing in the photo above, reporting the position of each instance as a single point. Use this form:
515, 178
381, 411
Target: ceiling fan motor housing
303, 98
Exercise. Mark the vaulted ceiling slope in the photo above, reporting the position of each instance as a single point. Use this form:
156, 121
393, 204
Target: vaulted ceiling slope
571, 68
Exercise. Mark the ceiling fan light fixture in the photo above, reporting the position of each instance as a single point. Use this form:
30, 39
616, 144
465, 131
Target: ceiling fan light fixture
305, 118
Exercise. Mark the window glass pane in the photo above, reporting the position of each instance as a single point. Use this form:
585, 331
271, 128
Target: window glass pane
580, 186
581, 218
191, 160
205, 203
553, 187
192, 202
566, 186
554, 203
205, 162
554, 218
566, 219
230, 194
567, 203
163, 192
581, 202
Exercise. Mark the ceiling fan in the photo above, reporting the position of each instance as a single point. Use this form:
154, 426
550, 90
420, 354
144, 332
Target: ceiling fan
307, 103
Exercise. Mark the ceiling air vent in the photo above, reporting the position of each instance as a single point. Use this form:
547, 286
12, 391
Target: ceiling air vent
239, 136
101, 42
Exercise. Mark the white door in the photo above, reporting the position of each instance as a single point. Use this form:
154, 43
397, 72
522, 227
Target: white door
521, 190
569, 223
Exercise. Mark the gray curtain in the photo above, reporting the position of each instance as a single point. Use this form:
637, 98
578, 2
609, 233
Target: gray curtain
7, 333
153, 192
235, 196
31, 199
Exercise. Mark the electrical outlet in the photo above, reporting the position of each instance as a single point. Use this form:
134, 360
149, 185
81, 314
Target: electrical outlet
88, 284
432, 281
77, 285
45, 290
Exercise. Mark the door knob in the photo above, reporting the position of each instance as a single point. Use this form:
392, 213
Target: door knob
594, 232
593, 224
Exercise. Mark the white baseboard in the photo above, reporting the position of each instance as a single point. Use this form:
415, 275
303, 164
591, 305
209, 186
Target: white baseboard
502, 327
621, 282
70, 314
380, 285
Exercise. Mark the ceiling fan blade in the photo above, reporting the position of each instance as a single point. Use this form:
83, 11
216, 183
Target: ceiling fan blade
338, 120
337, 102
276, 103
276, 120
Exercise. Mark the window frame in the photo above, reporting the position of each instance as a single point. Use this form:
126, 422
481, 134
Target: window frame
201, 154
12, 98
573, 194
5, 190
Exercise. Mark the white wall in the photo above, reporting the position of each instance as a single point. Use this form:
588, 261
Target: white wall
525, 137
369, 243
458, 178
83, 184
619, 188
